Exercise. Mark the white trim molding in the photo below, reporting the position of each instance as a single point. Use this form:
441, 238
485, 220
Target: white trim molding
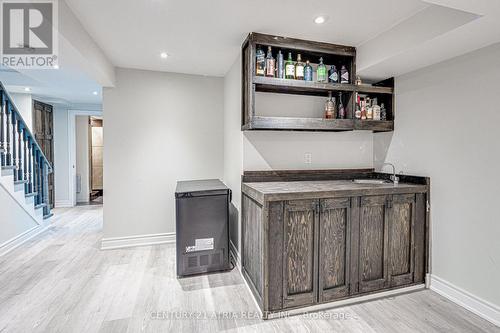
139, 240
19, 240
481, 307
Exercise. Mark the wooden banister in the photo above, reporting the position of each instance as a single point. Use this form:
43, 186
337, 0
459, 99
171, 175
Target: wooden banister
20, 151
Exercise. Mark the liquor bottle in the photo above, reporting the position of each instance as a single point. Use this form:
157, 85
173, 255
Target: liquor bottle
333, 75
270, 63
341, 114
299, 68
369, 109
280, 65
260, 62
363, 110
376, 109
308, 72
289, 67
383, 112
357, 114
344, 75
329, 107
321, 72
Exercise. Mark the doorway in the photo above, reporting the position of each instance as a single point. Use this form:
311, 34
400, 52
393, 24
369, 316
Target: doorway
85, 138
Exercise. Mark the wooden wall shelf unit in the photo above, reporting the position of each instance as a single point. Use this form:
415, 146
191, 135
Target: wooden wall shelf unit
332, 54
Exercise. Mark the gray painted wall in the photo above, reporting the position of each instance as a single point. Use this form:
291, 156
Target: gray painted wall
447, 128
159, 128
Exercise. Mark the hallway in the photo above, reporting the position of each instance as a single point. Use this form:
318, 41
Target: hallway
61, 282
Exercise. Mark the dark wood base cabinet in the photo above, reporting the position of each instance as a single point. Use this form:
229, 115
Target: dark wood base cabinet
303, 252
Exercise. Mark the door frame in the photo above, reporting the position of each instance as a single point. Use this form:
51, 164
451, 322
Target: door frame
72, 148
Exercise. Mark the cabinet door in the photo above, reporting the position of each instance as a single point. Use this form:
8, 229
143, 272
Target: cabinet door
373, 243
334, 248
299, 264
401, 239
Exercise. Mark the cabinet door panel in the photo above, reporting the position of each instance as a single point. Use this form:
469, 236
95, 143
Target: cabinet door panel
401, 239
373, 244
299, 267
334, 248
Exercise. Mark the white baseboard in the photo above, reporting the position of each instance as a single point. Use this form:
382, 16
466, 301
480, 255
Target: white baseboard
63, 204
21, 239
140, 240
482, 308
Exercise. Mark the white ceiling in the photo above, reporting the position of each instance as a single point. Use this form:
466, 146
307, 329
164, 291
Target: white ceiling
204, 37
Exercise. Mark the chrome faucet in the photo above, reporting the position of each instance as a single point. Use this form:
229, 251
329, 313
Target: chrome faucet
394, 178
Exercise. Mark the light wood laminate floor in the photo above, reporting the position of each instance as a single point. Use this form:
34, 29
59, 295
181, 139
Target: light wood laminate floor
61, 282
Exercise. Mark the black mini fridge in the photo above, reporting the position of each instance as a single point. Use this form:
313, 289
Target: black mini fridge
202, 226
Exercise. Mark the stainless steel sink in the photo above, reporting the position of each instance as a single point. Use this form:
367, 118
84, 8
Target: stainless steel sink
371, 181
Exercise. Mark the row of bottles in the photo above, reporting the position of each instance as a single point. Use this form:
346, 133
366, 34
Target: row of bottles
267, 65
368, 109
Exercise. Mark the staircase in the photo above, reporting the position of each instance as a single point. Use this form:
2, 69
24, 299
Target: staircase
24, 167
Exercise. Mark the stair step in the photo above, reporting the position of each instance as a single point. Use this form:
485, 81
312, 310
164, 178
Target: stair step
19, 182
33, 194
49, 215
40, 205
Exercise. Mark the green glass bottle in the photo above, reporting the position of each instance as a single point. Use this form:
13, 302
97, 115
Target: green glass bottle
289, 67
321, 73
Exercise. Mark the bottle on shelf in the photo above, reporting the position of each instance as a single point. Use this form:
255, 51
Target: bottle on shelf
363, 110
344, 75
289, 67
369, 109
308, 71
383, 112
270, 63
280, 65
299, 68
260, 62
341, 109
333, 75
330, 107
376, 109
357, 113
321, 72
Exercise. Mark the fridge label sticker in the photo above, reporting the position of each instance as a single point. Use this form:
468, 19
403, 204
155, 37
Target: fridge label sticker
202, 244
190, 249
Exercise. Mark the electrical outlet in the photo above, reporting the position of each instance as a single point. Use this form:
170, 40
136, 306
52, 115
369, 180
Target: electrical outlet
307, 158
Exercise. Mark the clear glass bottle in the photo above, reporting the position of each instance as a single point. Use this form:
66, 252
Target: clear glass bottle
321, 72
383, 112
308, 72
289, 67
270, 63
330, 107
357, 113
341, 113
344, 75
299, 68
280, 65
260, 62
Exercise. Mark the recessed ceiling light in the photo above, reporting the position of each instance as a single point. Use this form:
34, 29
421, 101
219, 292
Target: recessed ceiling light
27, 89
320, 19
95, 92
164, 55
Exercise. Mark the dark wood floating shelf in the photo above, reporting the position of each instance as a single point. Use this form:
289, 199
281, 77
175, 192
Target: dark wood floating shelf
334, 54
317, 124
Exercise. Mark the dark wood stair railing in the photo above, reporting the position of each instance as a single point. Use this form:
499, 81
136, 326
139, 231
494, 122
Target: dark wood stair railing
20, 152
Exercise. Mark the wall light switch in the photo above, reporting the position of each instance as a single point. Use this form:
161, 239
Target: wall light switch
307, 158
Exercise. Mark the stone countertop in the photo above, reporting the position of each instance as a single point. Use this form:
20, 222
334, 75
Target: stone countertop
274, 191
